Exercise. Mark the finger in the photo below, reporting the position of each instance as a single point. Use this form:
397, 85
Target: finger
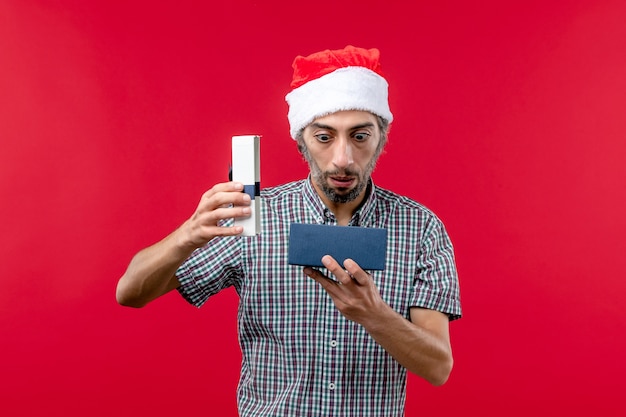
206, 218
215, 199
357, 273
333, 266
229, 212
224, 231
328, 284
200, 232
231, 186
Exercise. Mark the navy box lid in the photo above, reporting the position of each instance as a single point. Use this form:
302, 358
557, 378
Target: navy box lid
308, 243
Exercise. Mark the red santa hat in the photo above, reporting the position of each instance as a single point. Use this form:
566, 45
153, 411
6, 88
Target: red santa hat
329, 81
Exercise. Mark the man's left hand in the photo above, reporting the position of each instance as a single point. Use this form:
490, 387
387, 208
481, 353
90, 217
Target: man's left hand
354, 293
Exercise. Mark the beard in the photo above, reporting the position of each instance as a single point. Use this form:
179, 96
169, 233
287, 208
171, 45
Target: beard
340, 195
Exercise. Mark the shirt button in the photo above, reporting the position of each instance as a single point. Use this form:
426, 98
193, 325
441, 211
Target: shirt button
331, 386
333, 343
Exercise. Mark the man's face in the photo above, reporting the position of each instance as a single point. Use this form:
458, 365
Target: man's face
342, 149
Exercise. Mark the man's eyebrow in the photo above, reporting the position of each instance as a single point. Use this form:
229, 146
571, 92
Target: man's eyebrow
327, 127
322, 126
361, 126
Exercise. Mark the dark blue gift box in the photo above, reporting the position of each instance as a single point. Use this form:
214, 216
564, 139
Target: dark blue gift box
308, 243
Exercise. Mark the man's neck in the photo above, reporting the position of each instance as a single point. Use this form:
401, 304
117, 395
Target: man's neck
343, 211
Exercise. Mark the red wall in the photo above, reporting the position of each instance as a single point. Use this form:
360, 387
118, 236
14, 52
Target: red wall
115, 116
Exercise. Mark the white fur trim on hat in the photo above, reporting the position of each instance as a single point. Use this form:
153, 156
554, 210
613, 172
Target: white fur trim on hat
348, 88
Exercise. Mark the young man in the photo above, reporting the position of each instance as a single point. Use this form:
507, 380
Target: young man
334, 341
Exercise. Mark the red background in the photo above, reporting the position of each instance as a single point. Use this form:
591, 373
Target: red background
116, 116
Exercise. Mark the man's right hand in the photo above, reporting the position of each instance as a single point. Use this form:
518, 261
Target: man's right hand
223, 201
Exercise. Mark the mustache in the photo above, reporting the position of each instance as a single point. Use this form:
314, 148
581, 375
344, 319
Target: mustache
343, 172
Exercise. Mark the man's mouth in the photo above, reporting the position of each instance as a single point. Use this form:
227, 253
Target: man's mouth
341, 182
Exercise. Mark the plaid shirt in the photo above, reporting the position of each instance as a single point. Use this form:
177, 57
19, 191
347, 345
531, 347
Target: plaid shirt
301, 357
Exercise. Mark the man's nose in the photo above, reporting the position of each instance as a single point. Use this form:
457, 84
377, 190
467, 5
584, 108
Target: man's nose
342, 156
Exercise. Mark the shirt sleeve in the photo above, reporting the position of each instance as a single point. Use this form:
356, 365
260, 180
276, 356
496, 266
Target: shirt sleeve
436, 282
210, 269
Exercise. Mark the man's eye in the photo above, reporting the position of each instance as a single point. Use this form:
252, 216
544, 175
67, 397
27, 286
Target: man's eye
361, 136
322, 137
